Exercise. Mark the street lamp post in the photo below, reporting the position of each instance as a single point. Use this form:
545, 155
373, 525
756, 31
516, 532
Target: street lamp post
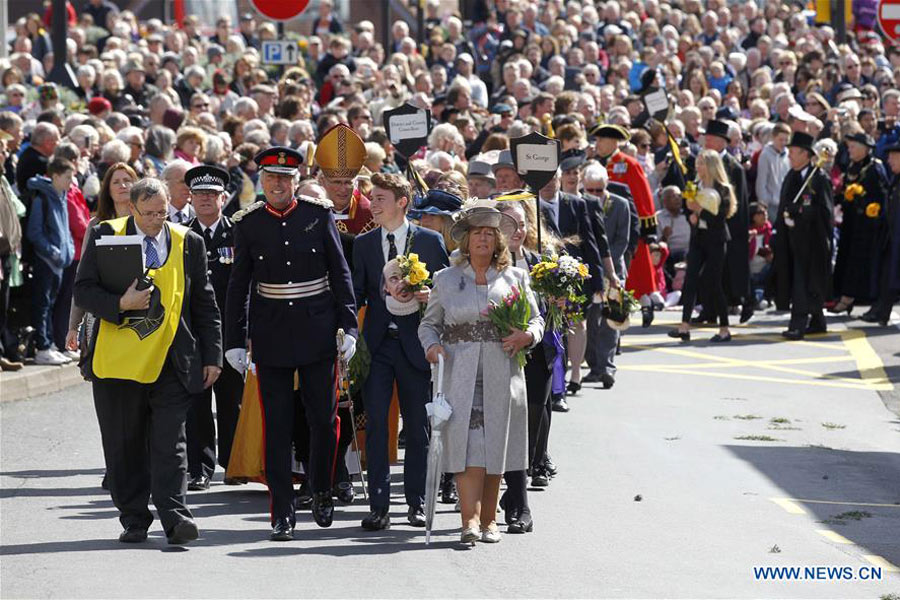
61, 72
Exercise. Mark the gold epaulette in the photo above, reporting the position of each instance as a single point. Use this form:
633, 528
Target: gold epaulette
246, 211
323, 202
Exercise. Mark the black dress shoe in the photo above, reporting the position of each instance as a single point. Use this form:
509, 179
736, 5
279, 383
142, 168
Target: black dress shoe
448, 489
520, 522
185, 531
303, 496
133, 535
234, 481
607, 380
323, 508
343, 491
560, 405
646, 316
282, 531
720, 338
684, 336
549, 466
416, 516
814, 329
592, 377
377, 520
540, 478
573, 388
746, 313
198, 483
871, 317
792, 334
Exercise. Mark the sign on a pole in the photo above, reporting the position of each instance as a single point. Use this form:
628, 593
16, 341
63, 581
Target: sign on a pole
280, 52
536, 158
280, 10
407, 127
889, 18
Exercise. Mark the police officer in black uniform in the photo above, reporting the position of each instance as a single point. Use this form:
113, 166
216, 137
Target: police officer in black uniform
208, 185
289, 264
805, 210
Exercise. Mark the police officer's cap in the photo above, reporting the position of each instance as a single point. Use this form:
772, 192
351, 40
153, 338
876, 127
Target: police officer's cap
607, 130
279, 159
207, 177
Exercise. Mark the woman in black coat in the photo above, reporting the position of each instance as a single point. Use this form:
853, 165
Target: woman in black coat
855, 273
714, 204
538, 374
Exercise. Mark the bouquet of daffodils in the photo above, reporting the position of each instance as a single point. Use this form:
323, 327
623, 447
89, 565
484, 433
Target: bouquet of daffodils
415, 272
513, 312
560, 278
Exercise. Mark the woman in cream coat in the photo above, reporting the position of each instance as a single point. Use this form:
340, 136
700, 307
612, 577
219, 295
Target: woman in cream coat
487, 433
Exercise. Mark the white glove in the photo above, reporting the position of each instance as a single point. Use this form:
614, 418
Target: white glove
237, 358
348, 349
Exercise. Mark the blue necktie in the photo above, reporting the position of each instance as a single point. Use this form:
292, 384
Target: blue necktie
152, 255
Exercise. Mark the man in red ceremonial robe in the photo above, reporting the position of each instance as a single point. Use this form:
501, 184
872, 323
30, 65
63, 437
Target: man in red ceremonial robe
626, 169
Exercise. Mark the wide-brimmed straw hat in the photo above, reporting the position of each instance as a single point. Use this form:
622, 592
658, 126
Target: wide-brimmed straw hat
482, 213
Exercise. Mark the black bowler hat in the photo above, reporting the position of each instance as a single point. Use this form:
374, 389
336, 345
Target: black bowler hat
572, 159
207, 177
719, 129
279, 159
861, 138
802, 140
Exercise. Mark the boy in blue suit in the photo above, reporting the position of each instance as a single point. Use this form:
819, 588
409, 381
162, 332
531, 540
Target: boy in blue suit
394, 345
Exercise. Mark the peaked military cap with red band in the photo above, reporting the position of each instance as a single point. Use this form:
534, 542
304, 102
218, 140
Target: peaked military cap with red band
279, 159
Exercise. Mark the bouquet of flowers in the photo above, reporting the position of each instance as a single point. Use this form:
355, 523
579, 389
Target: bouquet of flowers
561, 279
690, 191
513, 312
415, 272
853, 191
618, 306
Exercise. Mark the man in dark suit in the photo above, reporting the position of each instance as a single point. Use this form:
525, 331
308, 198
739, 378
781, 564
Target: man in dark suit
394, 345
806, 211
289, 263
207, 185
146, 367
737, 265
568, 216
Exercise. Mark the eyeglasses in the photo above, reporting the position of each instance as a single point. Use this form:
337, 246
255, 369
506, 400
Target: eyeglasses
595, 191
644, 146
198, 105
124, 184
153, 214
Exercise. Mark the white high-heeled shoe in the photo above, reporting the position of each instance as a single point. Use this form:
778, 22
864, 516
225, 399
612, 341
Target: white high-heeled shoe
490, 536
469, 535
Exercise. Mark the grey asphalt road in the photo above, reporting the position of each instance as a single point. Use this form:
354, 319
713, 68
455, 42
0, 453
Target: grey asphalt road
758, 453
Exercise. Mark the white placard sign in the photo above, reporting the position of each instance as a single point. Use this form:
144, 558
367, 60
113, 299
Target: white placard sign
536, 157
656, 102
405, 127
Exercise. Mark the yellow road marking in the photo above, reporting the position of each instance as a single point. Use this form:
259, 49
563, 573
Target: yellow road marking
878, 561
869, 365
875, 504
833, 536
789, 505
854, 342
859, 385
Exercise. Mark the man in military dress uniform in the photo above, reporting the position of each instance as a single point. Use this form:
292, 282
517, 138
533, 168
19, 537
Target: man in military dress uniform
339, 156
208, 184
289, 263
626, 169
807, 221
